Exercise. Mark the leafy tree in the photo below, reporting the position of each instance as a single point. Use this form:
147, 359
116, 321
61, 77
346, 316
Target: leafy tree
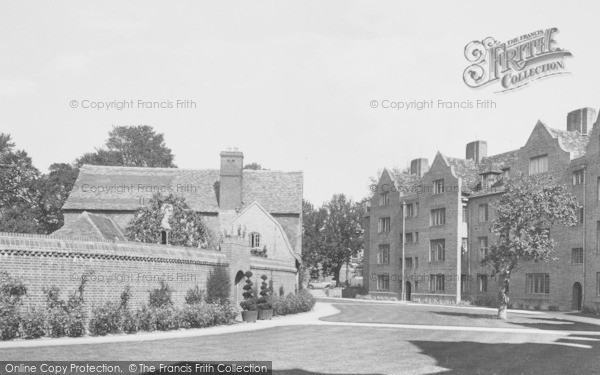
313, 223
342, 234
54, 188
526, 213
136, 145
254, 166
187, 226
218, 286
18, 194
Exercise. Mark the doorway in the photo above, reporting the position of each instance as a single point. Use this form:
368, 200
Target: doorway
577, 296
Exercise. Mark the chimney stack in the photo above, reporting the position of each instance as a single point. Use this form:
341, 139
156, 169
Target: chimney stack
581, 120
419, 166
230, 189
476, 151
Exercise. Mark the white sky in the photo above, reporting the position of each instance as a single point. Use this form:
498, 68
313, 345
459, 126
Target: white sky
288, 83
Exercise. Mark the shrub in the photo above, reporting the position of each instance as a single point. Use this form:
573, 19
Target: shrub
553, 308
12, 291
196, 316
293, 303
353, 291
263, 302
382, 298
161, 296
125, 297
33, 323
167, 318
105, 319
57, 322
128, 322
194, 296
76, 318
281, 291
249, 302
145, 318
537, 307
218, 285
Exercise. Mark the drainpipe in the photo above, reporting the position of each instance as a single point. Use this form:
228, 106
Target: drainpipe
584, 235
403, 258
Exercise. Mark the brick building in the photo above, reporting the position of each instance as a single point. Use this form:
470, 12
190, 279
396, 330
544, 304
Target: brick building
264, 207
449, 213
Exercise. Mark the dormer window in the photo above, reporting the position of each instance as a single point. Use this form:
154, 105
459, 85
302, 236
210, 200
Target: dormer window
255, 240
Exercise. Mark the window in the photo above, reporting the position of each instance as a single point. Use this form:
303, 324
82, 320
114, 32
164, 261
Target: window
384, 224
438, 186
383, 256
438, 217
416, 264
438, 250
577, 256
483, 212
538, 164
254, 240
464, 213
598, 189
482, 283
410, 210
416, 209
409, 263
416, 237
436, 283
578, 177
505, 173
598, 284
597, 237
383, 282
581, 215
409, 238
384, 199
483, 247
464, 248
537, 283
464, 286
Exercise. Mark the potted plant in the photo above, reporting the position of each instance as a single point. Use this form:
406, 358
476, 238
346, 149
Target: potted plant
265, 310
248, 305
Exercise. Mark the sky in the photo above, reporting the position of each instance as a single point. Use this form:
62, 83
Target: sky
288, 83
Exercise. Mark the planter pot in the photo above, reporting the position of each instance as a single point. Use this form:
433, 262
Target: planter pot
249, 316
265, 314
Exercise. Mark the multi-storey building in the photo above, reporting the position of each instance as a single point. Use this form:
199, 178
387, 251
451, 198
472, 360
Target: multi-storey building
450, 210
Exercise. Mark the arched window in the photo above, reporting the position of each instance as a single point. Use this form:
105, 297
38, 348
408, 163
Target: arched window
254, 240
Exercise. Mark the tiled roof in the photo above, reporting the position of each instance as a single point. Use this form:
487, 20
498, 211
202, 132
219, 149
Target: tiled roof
123, 188
499, 161
573, 142
92, 226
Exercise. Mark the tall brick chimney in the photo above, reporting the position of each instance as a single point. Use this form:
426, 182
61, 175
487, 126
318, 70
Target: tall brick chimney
419, 166
581, 120
476, 150
230, 189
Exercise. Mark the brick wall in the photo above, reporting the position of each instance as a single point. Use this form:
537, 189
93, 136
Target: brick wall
43, 261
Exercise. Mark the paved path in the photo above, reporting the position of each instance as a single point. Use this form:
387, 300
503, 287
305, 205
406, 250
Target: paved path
322, 309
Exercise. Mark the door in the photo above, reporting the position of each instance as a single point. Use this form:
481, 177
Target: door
408, 290
577, 294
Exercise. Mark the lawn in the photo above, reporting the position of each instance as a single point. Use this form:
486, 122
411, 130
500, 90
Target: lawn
342, 350
369, 350
451, 316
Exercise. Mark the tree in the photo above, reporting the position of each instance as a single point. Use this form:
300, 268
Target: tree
187, 226
342, 234
54, 188
136, 146
526, 213
313, 223
218, 285
18, 193
254, 166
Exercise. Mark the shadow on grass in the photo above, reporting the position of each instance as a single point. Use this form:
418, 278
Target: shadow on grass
551, 324
567, 355
183, 366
